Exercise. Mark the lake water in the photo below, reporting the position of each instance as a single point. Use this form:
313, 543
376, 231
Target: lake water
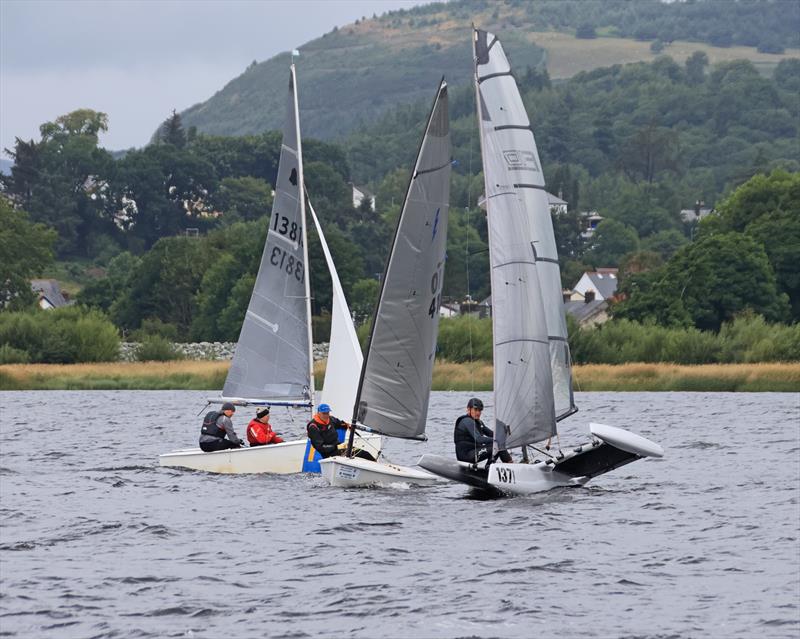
98, 541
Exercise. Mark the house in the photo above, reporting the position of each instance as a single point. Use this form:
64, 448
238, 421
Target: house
557, 205
603, 282
449, 309
590, 221
588, 301
697, 213
50, 295
359, 194
588, 311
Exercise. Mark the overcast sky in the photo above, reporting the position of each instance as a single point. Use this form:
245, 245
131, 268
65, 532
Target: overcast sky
136, 60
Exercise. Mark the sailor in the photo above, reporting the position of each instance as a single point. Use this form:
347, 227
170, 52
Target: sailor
259, 430
473, 439
216, 425
322, 431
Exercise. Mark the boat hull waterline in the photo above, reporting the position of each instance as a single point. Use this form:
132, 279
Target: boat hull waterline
354, 471
611, 448
279, 459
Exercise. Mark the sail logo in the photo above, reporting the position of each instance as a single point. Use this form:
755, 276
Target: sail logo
520, 160
435, 224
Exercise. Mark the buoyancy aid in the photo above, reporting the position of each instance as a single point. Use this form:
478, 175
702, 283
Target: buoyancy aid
210, 427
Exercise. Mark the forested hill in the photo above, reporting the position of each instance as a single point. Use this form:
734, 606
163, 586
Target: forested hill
351, 75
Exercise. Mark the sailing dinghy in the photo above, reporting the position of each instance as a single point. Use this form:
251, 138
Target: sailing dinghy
273, 362
395, 382
532, 367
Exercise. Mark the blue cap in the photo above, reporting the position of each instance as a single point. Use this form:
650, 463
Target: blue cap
324, 408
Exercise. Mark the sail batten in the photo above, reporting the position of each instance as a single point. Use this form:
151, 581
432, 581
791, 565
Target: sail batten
394, 389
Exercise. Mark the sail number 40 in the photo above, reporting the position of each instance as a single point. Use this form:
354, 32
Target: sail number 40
505, 475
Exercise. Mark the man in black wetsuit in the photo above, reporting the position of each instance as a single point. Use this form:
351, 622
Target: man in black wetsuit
473, 439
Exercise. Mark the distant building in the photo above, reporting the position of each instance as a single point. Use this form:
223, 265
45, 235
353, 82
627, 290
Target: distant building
449, 309
603, 283
588, 300
50, 295
359, 194
587, 312
589, 222
696, 214
557, 205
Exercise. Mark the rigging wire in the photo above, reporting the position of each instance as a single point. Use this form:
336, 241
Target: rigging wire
467, 253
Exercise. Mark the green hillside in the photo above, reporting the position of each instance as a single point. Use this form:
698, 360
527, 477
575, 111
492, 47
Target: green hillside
351, 75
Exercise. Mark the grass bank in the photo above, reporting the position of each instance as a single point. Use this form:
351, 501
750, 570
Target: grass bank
203, 375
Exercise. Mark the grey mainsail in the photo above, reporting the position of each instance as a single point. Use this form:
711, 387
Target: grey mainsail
396, 376
522, 258
273, 356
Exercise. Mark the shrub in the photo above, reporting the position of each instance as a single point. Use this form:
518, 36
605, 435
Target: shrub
155, 348
61, 336
464, 339
11, 355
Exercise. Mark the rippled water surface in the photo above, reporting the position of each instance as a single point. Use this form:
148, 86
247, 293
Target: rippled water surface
98, 541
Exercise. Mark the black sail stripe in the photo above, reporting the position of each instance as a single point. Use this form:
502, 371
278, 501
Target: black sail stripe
482, 78
523, 127
436, 168
529, 186
515, 341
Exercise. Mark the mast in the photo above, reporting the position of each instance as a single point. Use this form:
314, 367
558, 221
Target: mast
479, 113
304, 225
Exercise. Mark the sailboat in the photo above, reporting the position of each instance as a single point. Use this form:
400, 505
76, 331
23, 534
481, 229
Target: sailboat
532, 366
273, 362
395, 381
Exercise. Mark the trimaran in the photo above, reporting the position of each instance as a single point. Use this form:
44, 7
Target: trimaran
273, 362
532, 368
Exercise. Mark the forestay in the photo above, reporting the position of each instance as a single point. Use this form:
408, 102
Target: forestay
344, 354
273, 356
396, 377
523, 381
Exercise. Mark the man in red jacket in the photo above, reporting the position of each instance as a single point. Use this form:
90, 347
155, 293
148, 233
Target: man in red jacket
259, 430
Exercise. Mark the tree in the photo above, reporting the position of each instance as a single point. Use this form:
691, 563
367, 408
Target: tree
721, 275
62, 180
26, 249
767, 208
363, 299
611, 241
172, 132
695, 67
243, 199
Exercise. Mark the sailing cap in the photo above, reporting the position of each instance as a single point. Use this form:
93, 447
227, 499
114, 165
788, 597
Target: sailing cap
324, 408
475, 403
228, 406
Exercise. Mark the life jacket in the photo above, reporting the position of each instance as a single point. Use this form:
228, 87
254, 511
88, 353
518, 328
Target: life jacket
210, 427
261, 433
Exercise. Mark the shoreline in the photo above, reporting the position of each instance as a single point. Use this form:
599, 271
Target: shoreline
447, 376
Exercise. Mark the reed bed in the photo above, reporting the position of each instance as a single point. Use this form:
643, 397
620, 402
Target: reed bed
178, 375
477, 376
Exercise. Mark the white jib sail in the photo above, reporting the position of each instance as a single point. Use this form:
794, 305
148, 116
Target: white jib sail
523, 381
272, 361
344, 352
396, 377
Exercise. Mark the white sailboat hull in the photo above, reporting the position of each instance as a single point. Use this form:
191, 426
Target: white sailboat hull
351, 472
278, 459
